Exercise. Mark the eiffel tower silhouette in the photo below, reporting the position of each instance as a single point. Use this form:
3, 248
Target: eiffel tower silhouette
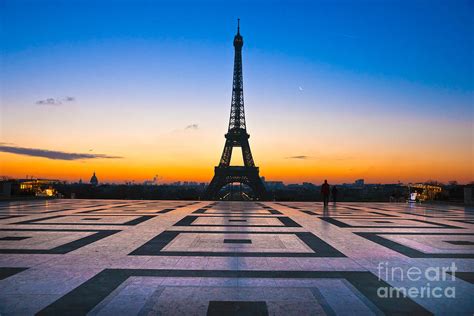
236, 136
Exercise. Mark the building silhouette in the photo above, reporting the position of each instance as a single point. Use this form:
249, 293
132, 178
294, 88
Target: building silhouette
94, 181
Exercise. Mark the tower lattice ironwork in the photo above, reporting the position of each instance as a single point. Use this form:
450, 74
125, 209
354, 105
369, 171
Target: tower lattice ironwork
236, 136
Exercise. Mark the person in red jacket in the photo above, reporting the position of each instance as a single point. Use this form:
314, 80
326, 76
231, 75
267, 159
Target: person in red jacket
325, 189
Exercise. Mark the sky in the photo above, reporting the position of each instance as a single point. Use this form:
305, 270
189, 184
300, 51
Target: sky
337, 90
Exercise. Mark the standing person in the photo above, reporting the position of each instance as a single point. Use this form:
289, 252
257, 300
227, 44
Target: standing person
334, 194
325, 189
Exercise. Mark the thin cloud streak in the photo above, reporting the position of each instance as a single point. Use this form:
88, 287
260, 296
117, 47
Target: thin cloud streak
323, 157
52, 154
55, 101
192, 126
298, 157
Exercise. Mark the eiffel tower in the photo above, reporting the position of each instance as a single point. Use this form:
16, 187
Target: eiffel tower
236, 136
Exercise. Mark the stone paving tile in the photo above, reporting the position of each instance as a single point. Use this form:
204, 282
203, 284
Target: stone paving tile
190, 262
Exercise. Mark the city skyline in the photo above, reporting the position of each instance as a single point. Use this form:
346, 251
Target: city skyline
131, 93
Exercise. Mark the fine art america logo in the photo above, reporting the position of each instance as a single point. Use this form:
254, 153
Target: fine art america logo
429, 282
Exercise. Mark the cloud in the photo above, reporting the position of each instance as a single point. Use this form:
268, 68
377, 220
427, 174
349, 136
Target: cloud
300, 88
55, 101
49, 101
52, 154
322, 157
298, 157
192, 126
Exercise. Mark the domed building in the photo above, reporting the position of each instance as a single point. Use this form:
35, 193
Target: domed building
94, 181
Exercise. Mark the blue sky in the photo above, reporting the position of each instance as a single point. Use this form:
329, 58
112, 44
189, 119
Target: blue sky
145, 68
425, 43
428, 42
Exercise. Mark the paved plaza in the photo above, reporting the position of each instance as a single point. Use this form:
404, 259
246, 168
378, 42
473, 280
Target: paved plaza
123, 257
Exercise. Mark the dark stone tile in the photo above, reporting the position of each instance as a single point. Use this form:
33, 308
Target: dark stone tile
345, 225
234, 308
410, 252
460, 242
166, 210
65, 248
39, 221
85, 297
12, 238
155, 245
466, 276
237, 241
7, 272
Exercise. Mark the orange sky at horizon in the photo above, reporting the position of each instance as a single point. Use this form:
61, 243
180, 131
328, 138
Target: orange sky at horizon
290, 170
379, 149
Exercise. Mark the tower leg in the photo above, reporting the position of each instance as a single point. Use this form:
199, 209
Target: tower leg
243, 175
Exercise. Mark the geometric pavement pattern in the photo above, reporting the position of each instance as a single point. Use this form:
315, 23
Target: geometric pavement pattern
124, 257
